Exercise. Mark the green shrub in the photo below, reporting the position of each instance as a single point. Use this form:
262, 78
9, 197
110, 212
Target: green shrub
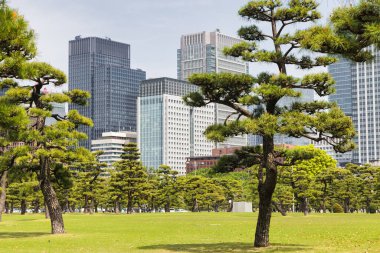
337, 208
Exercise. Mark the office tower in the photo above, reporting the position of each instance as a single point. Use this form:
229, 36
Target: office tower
366, 108
358, 94
203, 53
168, 130
342, 72
112, 143
103, 67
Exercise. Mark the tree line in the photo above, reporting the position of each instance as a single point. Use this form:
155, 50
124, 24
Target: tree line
314, 184
130, 187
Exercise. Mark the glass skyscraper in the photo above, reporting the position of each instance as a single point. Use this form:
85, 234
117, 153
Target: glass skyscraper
102, 67
358, 94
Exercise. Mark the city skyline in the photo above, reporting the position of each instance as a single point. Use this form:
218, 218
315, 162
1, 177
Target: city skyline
157, 42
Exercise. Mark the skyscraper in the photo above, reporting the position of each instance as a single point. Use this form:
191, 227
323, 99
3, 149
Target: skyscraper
358, 94
102, 67
203, 53
168, 130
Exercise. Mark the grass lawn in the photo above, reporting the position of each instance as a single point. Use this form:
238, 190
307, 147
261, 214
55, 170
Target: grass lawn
190, 233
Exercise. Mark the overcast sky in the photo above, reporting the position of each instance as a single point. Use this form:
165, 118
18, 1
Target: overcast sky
152, 27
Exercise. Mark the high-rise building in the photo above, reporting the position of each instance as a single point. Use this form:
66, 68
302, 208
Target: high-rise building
102, 67
203, 53
358, 94
112, 143
168, 130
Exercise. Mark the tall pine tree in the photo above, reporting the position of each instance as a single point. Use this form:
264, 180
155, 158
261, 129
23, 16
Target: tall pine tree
319, 121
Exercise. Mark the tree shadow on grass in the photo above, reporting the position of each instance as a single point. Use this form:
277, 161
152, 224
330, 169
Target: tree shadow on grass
12, 235
236, 247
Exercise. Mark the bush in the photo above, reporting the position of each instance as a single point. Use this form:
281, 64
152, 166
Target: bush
337, 208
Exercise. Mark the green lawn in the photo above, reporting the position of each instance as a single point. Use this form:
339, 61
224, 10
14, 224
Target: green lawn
190, 233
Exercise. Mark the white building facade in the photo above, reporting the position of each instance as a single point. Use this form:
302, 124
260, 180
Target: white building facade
112, 143
168, 130
203, 53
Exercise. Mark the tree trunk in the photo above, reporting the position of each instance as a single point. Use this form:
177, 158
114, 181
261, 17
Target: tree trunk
12, 207
129, 205
36, 208
7, 207
167, 208
95, 206
51, 200
167, 204
47, 216
195, 206
23, 207
324, 205
117, 206
230, 206
86, 208
3, 186
265, 189
279, 208
265, 210
347, 205
304, 206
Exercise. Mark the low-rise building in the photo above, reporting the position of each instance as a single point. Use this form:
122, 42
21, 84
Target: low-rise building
111, 143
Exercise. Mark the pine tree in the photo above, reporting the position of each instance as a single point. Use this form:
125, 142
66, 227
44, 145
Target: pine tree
129, 181
167, 189
16, 46
318, 121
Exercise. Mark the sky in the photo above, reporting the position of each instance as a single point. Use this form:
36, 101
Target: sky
152, 27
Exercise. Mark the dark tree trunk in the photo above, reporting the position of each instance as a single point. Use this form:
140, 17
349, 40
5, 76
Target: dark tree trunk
23, 207
95, 206
216, 208
304, 206
279, 208
346, 204
3, 186
86, 208
51, 200
7, 207
12, 207
195, 206
230, 206
36, 208
129, 205
167, 204
167, 208
266, 189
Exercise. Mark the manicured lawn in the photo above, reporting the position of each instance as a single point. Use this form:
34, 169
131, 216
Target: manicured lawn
190, 233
